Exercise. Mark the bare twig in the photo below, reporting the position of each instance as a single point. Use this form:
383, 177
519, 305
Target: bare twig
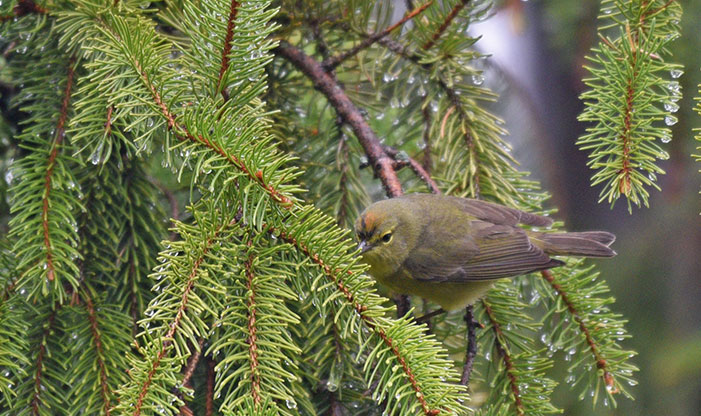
416, 167
471, 346
379, 160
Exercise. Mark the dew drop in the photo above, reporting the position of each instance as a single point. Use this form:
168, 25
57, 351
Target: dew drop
670, 120
676, 73
671, 107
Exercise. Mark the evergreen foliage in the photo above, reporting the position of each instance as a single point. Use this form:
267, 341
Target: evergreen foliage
257, 304
634, 93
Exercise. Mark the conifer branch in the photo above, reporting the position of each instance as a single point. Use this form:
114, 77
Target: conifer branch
226, 49
104, 388
446, 23
183, 134
252, 339
360, 310
598, 358
381, 163
331, 63
506, 356
173, 327
58, 140
629, 97
35, 403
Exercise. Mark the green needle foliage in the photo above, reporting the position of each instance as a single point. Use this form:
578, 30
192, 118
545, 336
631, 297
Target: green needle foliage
255, 303
633, 95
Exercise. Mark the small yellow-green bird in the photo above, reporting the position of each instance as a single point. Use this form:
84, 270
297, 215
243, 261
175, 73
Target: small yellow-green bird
450, 250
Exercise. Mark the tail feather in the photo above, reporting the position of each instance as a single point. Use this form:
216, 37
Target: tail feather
586, 244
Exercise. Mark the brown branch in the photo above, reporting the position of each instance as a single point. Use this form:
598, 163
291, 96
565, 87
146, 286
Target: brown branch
40, 363
499, 335
600, 361
252, 338
226, 49
471, 351
448, 20
331, 63
58, 140
360, 310
189, 371
416, 167
92, 317
192, 363
379, 160
209, 397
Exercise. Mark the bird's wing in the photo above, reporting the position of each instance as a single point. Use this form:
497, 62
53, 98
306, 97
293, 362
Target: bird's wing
493, 252
499, 214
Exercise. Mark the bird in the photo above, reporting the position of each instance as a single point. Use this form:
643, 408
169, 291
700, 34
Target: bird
451, 250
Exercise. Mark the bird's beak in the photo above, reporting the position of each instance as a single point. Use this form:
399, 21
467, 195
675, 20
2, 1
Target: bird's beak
363, 246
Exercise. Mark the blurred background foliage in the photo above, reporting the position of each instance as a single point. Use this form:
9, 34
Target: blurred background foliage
538, 50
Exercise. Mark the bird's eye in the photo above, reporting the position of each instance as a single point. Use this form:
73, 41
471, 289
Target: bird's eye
387, 237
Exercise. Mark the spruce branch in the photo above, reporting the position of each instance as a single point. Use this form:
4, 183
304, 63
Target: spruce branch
471, 350
366, 315
184, 134
329, 64
46, 240
58, 140
92, 316
252, 339
600, 361
167, 338
446, 23
36, 401
403, 160
589, 331
505, 355
226, 49
630, 97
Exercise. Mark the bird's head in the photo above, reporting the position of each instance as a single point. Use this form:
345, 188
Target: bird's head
385, 233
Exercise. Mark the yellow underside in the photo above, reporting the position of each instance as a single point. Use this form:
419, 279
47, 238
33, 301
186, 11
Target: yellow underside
451, 296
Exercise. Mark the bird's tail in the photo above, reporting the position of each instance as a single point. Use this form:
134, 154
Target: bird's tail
586, 244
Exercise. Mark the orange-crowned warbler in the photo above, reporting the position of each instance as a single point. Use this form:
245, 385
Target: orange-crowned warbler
451, 250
